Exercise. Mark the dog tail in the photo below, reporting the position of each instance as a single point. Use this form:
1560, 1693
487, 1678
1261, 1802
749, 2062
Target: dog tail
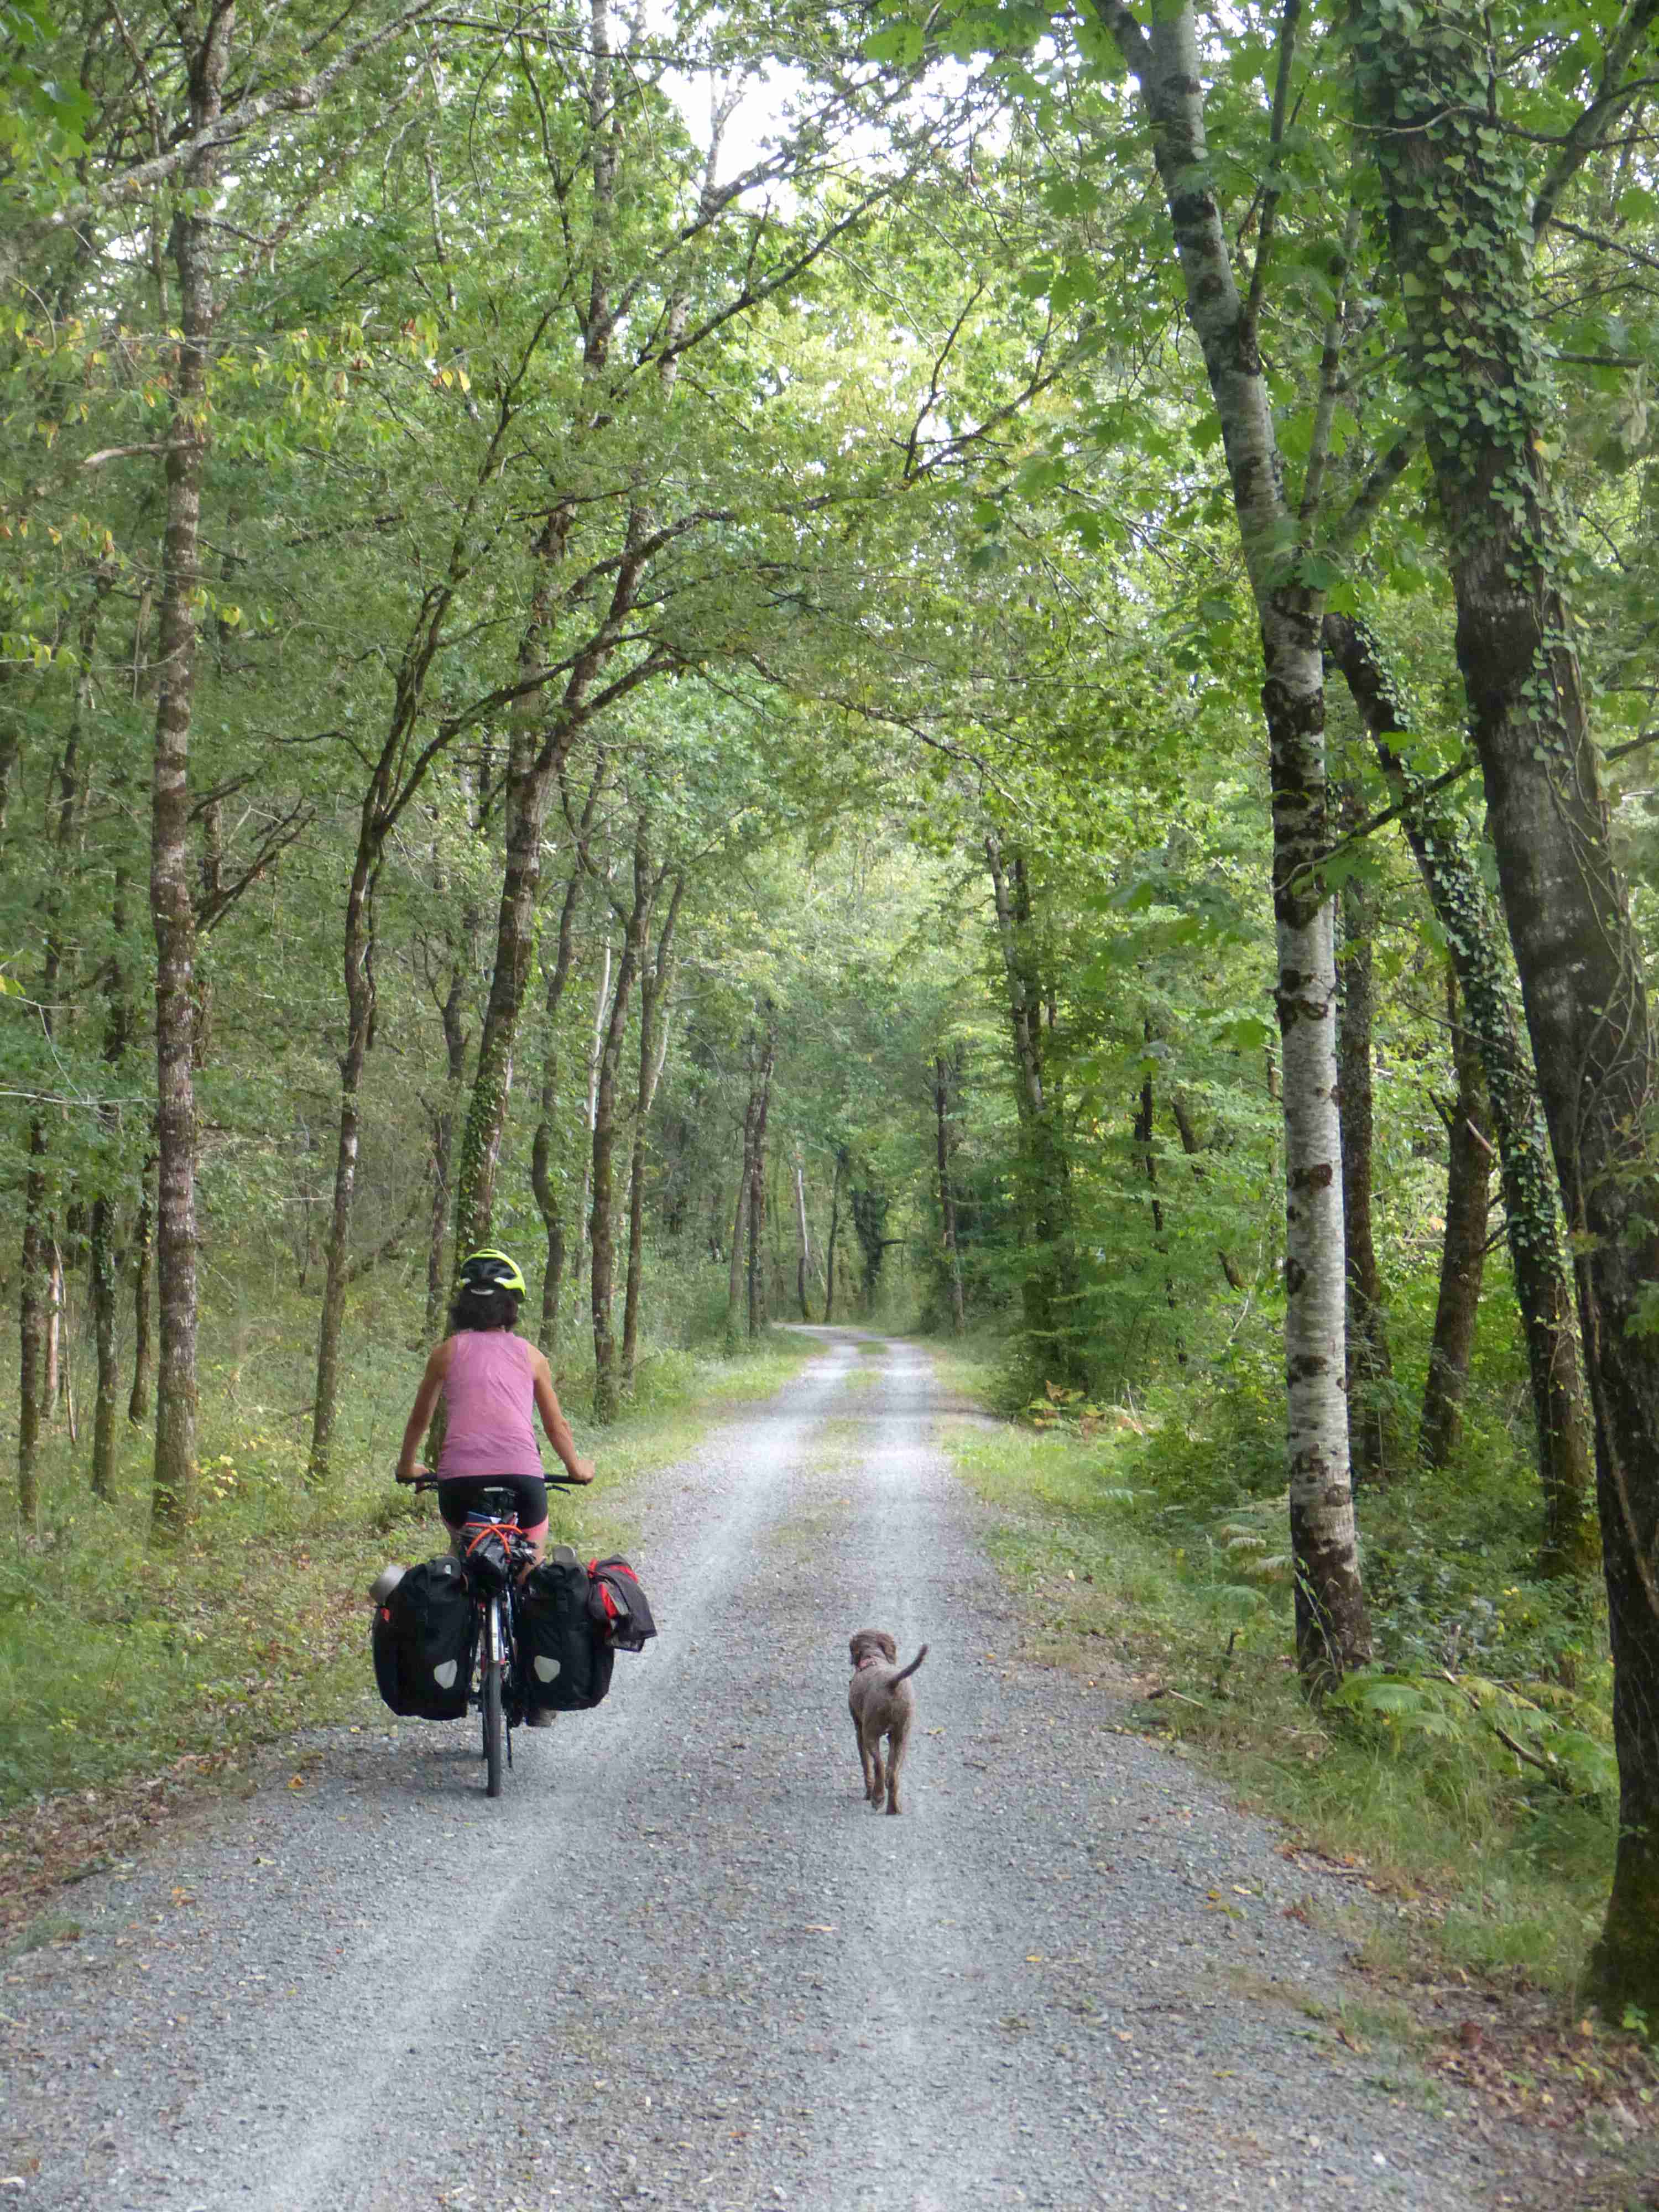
912, 1666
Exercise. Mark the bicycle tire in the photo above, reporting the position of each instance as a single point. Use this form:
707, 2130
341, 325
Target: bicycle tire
493, 1730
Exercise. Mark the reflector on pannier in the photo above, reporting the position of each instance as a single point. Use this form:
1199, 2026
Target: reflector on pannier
564, 1663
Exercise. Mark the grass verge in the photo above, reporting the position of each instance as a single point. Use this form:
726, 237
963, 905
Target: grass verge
1142, 1562
1148, 1561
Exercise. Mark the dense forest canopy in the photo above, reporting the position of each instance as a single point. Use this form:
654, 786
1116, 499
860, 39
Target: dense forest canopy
983, 663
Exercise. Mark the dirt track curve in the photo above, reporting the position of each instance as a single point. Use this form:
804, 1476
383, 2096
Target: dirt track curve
680, 1963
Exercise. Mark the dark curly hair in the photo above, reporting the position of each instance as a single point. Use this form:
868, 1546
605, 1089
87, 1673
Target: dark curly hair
491, 1308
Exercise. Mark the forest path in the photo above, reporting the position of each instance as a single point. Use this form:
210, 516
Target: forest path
680, 1963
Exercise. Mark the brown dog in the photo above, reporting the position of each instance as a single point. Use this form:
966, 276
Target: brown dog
881, 1704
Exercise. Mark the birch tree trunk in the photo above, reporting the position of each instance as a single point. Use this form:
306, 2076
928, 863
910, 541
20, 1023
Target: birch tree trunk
802, 1244
1333, 1629
1474, 355
171, 908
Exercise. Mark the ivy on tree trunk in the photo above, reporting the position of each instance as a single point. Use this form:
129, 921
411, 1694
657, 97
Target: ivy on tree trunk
1474, 935
1456, 197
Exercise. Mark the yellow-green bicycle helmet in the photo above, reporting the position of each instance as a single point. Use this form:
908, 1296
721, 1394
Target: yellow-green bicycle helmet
491, 1271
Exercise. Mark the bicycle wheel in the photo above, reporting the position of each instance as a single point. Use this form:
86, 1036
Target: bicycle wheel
494, 1728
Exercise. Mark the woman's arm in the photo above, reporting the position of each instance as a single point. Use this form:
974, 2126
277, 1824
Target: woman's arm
426, 1405
553, 1420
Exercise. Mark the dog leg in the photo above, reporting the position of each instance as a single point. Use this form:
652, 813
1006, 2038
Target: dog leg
871, 1783
875, 1779
896, 1737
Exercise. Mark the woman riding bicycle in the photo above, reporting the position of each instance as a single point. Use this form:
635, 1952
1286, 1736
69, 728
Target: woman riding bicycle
490, 1381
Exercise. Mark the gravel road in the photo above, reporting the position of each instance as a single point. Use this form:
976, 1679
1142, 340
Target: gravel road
680, 1963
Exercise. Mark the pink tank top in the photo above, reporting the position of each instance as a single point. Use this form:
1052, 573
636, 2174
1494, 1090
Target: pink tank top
490, 1391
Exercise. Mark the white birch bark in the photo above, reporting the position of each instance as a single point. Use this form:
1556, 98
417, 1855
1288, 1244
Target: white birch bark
1332, 1629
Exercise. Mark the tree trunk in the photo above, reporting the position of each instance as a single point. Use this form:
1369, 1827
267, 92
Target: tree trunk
144, 1239
836, 1181
755, 1149
515, 942
1232, 1273
1370, 1367
31, 1327
803, 1244
451, 1013
65, 1378
548, 1199
358, 965
172, 908
538, 756
102, 1266
52, 1381
1333, 1629
1472, 930
947, 1201
1463, 1250
1143, 1137
734, 1261
1475, 356
596, 1047
1048, 1279
656, 981
40, 1289
602, 1218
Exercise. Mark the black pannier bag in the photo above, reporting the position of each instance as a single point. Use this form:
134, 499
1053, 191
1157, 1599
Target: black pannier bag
564, 1664
422, 1638
617, 1605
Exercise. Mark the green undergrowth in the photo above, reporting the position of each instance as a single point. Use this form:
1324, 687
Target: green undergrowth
118, 1656
1149, 1544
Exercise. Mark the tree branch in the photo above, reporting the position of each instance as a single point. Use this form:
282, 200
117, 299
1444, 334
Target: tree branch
228, 128
1612, 95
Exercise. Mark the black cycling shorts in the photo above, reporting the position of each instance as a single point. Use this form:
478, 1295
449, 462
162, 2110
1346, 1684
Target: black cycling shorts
462, 1494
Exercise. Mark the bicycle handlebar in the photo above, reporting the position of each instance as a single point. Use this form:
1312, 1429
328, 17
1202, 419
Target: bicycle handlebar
420, 1482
